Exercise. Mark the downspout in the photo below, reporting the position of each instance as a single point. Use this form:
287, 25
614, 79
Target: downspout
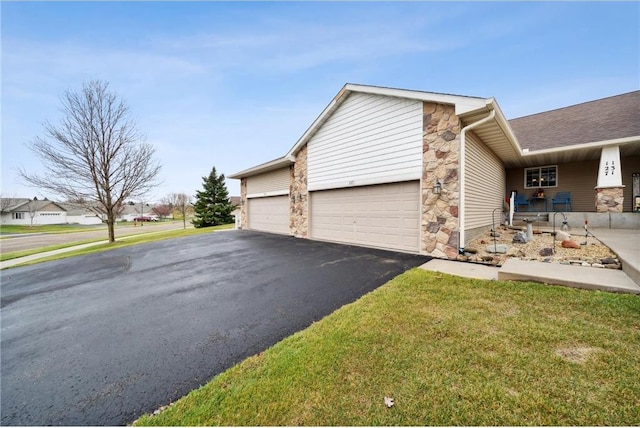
463, 173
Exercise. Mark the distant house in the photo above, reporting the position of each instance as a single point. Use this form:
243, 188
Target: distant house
26, 212
79, 214
236, 201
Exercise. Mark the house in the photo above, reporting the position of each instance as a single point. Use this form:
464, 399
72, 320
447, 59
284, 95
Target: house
27, 212
82, 214
236, 201
424, 172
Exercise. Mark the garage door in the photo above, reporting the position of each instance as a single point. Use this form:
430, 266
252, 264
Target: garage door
384, 216
269, 214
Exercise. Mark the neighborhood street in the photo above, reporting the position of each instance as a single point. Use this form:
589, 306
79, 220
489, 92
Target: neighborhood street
22, 242
103, 338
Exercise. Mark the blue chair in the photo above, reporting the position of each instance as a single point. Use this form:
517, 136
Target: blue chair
521, 200
562, 198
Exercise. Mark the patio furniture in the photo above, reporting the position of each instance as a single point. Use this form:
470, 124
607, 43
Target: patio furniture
521, 200
537, 202
562, 198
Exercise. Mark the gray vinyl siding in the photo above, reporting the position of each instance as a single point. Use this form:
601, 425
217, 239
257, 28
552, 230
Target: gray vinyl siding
369, 139
269, 183
484, 186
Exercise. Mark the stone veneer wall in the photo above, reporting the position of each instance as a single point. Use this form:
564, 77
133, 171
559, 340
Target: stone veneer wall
244, 204
440, 155
609, 199
299, 212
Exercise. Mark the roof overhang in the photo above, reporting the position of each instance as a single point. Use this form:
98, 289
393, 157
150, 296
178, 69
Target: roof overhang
629, 146
495, 133
262, 168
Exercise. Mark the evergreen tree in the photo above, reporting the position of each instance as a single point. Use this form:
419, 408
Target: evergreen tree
213, 206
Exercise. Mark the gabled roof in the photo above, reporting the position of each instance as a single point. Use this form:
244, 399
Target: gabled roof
463, 104
263, 167
568, 134
600, 120
25, 204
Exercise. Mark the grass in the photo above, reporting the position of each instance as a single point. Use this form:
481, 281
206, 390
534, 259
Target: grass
125, 241
49, 228
16, 254
450, 351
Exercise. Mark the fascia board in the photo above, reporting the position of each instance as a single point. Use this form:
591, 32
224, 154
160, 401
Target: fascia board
462, 104
265, 167
595, 144
328, 110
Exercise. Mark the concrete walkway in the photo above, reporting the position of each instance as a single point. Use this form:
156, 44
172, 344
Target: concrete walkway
625, 243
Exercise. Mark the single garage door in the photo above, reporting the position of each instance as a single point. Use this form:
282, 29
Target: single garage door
269, 214
383, 216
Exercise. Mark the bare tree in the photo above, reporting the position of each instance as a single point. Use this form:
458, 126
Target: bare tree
96, 153
162, 210
180, 202
6, 202
32, 206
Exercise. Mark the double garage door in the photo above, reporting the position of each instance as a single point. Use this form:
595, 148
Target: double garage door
384, 216
269, 214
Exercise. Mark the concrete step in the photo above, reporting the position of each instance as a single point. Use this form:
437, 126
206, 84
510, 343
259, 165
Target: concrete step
571, 276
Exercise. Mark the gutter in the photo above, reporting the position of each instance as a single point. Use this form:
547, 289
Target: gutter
461, 203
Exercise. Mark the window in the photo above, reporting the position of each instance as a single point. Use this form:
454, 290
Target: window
544, 176
17, 216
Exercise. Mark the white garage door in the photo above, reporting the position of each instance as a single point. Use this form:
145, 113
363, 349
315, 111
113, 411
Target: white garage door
269, 214
384, 215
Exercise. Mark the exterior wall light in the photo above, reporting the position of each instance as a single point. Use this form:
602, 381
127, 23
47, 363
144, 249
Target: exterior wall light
437, 187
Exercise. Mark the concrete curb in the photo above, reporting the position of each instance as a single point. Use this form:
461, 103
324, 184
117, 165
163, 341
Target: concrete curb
588, 278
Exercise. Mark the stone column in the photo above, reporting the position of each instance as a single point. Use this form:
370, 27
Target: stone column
299, 207
609, 199
244, 204
440, 161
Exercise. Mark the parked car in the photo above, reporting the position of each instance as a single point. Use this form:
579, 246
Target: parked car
145, 218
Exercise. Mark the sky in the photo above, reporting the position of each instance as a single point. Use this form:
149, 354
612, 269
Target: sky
232, 85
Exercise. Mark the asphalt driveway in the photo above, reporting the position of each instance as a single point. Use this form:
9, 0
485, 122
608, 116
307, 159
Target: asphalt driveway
103, 338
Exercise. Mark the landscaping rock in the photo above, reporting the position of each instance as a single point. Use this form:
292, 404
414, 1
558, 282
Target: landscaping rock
568, 243
609, 261
471, 250
546, 252
612, 266
598, 265
515, 252
562, 236
585, 264
498, 248
519, 238
494, 234
487, 258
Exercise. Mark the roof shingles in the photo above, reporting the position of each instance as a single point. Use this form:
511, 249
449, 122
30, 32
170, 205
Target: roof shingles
600, 120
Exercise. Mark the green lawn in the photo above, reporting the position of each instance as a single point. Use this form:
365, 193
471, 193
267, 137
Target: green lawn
50, 228
449, 351
16, 254
121, 242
